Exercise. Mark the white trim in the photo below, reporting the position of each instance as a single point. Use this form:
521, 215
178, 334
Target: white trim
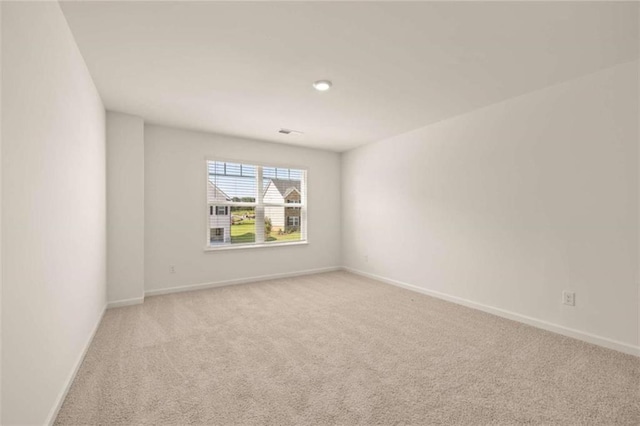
259, 212
249, 162
555, 328
125, 302
53, 414
239, 281
228, 246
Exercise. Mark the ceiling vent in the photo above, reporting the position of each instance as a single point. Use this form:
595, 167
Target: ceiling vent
290, 132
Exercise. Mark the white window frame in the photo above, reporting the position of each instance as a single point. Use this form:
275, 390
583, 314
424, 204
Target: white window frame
259, 206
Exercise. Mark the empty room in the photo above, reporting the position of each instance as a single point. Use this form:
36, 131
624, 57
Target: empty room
319, 213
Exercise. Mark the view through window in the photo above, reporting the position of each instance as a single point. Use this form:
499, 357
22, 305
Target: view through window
254, 204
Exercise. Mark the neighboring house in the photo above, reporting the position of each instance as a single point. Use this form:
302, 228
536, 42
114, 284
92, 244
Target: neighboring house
219, 216
283, 191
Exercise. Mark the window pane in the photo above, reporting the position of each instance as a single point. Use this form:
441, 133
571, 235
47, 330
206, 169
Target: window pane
230, 182
243, 225
285, 223
232, 225
219, 226
282, 186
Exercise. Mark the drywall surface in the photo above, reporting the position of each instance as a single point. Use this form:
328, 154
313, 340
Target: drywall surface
125, 207
0, 211
511, 204
53, 210
176, 212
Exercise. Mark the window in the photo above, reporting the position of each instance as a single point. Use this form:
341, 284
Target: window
217, 235
255, 204
293, 221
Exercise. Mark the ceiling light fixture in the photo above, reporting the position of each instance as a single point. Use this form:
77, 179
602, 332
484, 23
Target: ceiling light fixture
322, 85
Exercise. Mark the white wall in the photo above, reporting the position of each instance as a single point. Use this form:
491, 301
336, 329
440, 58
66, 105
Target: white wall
53, 209
176, 210
511, 204
125, 208
638, 123
0, 212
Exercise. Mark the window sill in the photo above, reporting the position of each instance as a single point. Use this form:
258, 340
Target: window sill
255, 246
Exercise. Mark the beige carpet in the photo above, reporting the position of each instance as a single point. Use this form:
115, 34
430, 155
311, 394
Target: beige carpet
337, 348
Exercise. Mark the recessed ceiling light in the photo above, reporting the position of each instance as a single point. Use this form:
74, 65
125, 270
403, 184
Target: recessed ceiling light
322, 85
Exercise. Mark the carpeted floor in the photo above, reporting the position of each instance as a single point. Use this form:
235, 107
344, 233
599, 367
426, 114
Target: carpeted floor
337, 348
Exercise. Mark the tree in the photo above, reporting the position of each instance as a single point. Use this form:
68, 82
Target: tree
267, 227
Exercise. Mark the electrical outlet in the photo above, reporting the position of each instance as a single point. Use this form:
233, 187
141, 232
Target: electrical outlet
569, 298
366, 258
172, 269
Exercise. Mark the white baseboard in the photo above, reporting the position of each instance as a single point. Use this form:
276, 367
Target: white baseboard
63, 394
239, 281
125, 302
555, 328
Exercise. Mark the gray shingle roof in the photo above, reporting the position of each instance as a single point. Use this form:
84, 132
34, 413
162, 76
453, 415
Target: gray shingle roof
215, 194
284, 186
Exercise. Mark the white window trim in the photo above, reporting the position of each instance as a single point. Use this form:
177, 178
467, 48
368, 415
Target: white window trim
303, 205
256, 245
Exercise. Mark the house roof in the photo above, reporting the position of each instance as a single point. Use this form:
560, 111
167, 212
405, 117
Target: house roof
215, 194
285, 186
290, 190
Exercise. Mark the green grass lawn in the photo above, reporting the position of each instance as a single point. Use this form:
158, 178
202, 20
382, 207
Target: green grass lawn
294, 236
245, 232
238, 211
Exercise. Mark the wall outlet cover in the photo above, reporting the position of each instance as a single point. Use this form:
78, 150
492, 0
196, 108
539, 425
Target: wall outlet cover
569, 298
